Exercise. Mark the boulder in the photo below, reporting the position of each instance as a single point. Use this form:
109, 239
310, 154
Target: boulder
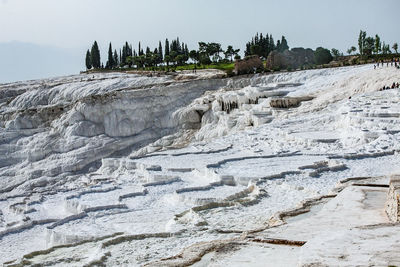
294, 58
248, 65
277, 60
393, 199
288, 102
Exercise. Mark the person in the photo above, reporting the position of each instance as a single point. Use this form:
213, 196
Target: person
374, 67
393, 85
397, 85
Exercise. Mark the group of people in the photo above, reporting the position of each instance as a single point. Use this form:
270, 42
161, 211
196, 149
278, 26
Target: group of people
394, 85
394, 62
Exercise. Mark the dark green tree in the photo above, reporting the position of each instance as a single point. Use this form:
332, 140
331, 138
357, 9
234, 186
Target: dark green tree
110, 61
378, 44
95, 56
194, 55
126, 52
230, 52
88, 60
278, 45
129, 61
283, 45
361, 42
160, 52
395, 47
260, 45
322, 56
351, 50
271, 43
386, 48
116, 59
368, 46
335, 53
167, 57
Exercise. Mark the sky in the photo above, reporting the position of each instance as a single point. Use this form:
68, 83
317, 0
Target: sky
71, 26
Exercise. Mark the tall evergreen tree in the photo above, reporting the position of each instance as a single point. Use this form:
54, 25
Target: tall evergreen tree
110, 61
284, 46
278, 45
260, 45
140, 50
167, 57
166, 51
395, 47
378, 44
116, 60
95, 56
160, 51
361, 41
88, 60
271, 43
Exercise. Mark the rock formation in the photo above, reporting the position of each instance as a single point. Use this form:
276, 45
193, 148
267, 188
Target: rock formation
288, 102
294, 58
393, 199
248, 65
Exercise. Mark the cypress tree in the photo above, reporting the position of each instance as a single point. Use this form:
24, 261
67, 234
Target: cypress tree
124, 55
178, 46
271, 43
160, 51
88, 60
140, 51
95, 56
130, 51
267, 46
284, 44
166, 52
110, 62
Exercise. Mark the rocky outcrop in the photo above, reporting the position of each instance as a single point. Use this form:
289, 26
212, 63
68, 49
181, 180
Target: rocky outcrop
288, 102
248, 65
393, 199
294, 58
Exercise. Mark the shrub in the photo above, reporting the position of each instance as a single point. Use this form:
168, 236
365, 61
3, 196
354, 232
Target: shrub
322, 56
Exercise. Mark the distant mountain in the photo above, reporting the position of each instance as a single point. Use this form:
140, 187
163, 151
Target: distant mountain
26, 61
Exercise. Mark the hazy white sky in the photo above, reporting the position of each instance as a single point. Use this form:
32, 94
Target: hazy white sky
308, 23
73, 25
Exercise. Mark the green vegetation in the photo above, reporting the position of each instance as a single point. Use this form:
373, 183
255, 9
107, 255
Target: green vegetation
95, 56
261, 45
175, 55
220, 66
322, 56
370, 47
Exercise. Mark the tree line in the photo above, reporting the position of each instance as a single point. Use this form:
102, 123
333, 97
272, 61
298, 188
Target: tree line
172, 53
369, 46
176, 53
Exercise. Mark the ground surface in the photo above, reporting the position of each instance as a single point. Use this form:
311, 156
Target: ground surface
128, 170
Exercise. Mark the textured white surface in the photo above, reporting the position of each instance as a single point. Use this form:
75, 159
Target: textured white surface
84, 158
